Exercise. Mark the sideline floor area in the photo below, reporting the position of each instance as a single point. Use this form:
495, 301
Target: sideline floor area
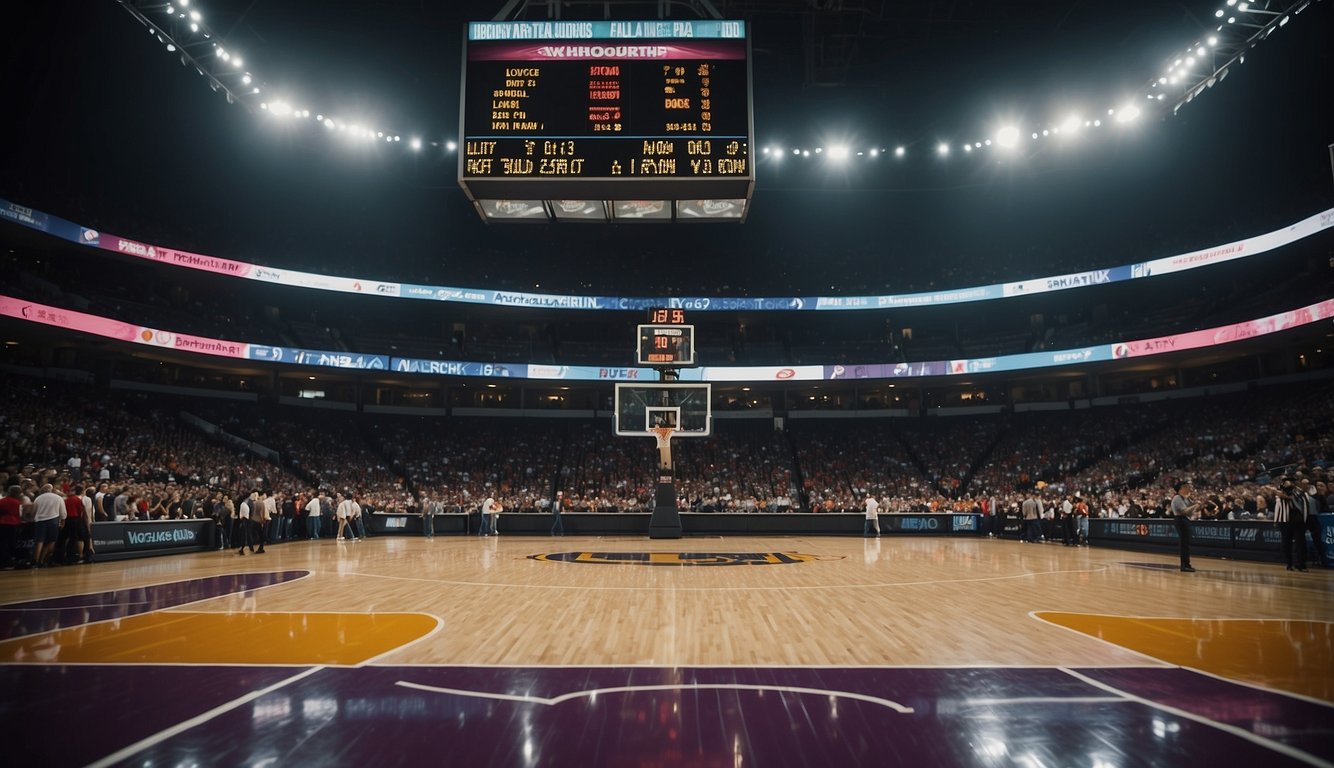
697, 652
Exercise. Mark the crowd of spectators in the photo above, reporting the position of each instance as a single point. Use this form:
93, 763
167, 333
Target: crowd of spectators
136, 457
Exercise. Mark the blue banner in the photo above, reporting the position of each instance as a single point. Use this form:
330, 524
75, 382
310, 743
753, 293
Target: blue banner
1249, 247
323, 358
459, 368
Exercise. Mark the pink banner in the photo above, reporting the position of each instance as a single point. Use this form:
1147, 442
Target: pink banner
569, 50
1224, 334
115, 329
174, 257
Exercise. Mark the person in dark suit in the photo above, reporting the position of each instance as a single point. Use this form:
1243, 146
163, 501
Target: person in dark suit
1183, 511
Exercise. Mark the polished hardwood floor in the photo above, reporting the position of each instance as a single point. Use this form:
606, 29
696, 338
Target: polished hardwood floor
728, 609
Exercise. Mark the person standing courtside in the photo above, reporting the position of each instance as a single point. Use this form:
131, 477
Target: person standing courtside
241, 531
1311, 505
12, 508
1032, 511
49, 518
342, 508
558, 526
1183, 511
313, 513
428, 510
872, 516
490, 514
1290, 517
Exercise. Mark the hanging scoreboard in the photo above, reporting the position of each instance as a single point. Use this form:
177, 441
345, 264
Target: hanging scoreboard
666, 341
609, 110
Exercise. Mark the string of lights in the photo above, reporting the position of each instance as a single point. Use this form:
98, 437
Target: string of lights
181, 28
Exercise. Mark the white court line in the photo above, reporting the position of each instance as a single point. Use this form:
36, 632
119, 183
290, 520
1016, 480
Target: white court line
1034, 615
161, 583
160, 610
439, 625
1189, 618
1259, 687
564, 697
674, 588
834, 667
185, 725
69, 607
1044, 700
1167, 664
1242, 733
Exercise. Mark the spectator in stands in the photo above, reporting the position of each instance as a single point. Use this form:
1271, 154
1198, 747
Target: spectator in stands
12, 509
74, 534
49, 518
314, 512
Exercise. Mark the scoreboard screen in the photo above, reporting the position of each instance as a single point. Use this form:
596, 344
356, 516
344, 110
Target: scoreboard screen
615, 101
668, 346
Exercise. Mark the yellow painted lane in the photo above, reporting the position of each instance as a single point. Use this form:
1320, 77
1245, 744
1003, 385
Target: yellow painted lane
189, 637
1287, 655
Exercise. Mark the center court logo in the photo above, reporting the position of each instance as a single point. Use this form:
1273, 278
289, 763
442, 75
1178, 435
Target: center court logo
681, 558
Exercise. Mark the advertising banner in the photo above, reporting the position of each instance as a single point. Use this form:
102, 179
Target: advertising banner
1246, 248
130, 537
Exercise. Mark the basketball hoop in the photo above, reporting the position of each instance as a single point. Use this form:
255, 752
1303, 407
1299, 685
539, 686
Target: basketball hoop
664, 437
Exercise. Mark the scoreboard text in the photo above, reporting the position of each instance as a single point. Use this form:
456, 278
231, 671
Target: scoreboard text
616, 100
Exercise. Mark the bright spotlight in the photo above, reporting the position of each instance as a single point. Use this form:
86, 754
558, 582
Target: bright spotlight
194, 27
1127, 113
967, 147
818, 150
1213, 40
875, 153
1199, 51
415, 143
1046, 132
185, 3
1232, 19
194, 16
838, 153
1218, 14
766, 150
805, 153
171, 48
1071, 123
1243, 7
796, 151
900, 151
1007, 136
236, 61
170, 10
451, 146
942, 149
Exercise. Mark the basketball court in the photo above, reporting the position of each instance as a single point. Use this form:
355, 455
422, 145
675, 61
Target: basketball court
698, 651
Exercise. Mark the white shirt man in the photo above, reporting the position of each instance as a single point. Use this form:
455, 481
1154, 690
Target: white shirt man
313, 516
49, 515
872, 516
491, 511
344, 513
